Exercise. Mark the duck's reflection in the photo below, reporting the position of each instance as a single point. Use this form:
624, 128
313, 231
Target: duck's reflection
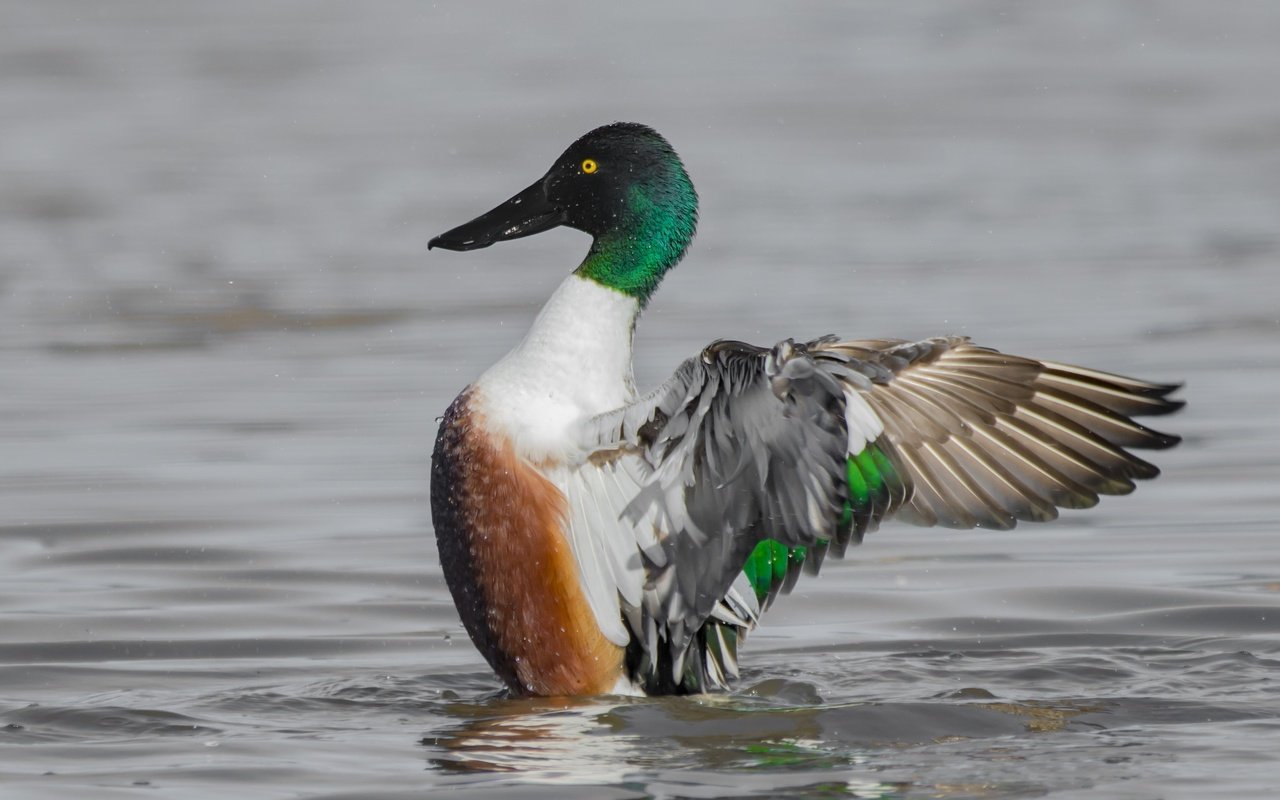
631, 741
547, 739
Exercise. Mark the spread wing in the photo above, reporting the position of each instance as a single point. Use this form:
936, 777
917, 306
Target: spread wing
787, 452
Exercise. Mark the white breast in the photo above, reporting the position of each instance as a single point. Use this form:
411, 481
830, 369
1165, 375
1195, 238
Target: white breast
575, 362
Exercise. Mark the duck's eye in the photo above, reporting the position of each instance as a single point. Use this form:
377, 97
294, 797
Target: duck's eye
589, 165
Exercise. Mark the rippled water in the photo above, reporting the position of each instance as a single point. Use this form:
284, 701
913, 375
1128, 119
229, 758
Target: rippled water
223, 345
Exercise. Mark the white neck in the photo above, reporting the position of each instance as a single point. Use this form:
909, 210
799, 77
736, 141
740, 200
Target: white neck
574, 362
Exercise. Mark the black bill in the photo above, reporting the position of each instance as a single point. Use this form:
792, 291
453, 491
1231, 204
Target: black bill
527, 213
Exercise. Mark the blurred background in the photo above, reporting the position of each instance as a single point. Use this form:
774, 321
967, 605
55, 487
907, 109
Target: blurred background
223, 347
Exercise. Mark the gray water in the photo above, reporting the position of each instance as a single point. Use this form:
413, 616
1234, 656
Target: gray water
223, 346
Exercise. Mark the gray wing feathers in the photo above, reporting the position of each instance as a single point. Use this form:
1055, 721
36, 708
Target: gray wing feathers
744, 443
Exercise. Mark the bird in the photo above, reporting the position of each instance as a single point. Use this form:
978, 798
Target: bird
600, 541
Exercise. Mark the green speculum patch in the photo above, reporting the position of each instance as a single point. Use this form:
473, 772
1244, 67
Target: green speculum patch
767, 566
869, 474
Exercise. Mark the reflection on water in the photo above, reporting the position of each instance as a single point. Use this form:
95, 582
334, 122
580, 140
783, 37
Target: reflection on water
586, 742
537, 739
223, 345
767, 746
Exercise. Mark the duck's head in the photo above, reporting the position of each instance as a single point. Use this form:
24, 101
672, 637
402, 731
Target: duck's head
623, 184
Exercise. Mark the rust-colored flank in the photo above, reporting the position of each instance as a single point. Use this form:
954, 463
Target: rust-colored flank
512, 521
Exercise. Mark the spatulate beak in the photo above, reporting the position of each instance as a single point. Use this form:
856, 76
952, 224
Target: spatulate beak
527, 213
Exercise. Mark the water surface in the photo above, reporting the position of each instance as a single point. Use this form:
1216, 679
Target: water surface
223, 347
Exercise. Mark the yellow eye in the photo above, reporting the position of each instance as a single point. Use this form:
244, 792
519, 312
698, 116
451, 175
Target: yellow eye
589, 166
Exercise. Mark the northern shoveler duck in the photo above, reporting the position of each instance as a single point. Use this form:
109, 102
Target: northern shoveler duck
597, 541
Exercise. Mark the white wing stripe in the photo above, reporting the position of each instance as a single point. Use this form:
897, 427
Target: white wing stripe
863, 423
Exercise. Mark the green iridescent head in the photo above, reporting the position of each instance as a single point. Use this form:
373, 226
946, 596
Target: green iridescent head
621, 183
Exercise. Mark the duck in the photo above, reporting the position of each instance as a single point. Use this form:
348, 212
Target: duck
598, 541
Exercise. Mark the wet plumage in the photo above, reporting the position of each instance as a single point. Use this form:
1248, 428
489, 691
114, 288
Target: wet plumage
668, 521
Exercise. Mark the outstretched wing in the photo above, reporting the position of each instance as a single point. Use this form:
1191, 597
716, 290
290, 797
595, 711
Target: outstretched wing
766, 458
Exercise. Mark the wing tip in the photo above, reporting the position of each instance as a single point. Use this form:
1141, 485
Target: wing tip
1161, 440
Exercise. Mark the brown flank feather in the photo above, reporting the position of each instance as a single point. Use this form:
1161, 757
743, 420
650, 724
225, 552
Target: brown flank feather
539, 633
